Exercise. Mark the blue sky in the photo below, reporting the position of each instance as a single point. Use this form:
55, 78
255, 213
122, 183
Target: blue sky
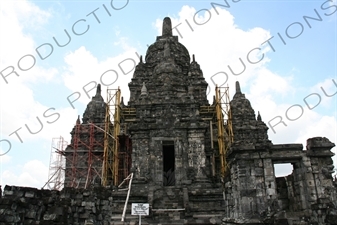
277, 86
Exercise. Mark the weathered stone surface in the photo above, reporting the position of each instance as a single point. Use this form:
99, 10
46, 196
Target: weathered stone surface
167, 91
307, 196
248, 131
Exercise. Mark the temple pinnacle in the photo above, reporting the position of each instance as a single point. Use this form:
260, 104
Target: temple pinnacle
98, 90
237, 87
167, 27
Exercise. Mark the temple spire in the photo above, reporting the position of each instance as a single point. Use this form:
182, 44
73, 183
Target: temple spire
167, 27
237, 87
259, 116
78, 120
122, 102
98, 90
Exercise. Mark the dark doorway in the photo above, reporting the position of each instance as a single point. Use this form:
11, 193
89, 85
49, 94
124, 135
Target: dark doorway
168, 164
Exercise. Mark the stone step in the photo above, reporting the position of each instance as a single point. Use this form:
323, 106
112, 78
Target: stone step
117, 217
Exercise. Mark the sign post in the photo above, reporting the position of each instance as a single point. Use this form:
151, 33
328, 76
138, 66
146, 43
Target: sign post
140, 209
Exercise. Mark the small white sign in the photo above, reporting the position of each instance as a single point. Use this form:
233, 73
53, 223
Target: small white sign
140, 209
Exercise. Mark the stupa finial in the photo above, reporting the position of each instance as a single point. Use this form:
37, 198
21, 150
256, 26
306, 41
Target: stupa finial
259, 116
237, 87
167, 27
78, 121
98, 90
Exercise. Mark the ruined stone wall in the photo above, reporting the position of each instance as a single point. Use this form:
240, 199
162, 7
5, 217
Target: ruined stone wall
254, 195
104, 206
22, 205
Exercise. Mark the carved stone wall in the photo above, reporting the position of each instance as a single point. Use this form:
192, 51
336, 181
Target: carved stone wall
253, 195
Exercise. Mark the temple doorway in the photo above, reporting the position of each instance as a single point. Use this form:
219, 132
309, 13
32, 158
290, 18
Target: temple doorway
168, 164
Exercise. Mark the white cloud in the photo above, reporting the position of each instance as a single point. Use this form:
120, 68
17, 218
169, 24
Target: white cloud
320, 126
327, 90
268, 82
18, 104
332, 5
4, 158
24, 111
83, 68
32, 174
17, 97
19, 19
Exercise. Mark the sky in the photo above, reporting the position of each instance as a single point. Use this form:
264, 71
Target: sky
54, 53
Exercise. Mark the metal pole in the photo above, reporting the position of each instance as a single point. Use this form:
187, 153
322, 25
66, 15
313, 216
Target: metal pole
50, 178
212, 148
140, 219
102, 130
127, 198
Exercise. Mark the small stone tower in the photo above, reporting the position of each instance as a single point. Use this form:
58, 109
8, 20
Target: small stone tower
84, 155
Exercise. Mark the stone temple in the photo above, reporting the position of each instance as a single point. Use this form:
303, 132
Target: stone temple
168, 142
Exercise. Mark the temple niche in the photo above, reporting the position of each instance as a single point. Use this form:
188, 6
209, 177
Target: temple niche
169, 141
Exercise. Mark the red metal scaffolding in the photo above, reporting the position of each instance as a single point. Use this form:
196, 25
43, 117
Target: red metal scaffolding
84, 156
98, 152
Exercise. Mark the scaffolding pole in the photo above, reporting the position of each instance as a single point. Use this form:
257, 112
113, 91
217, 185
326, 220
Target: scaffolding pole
111, 143
224, 124
56, 164
130, 177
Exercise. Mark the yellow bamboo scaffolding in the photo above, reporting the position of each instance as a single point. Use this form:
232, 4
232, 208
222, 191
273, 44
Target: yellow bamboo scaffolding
224, 124
112, 130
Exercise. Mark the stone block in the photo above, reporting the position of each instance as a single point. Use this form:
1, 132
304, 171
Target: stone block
8, 193
11, 219
30, 214
85, 215
58, 211
269, 171
269, 179
270, 191
248, 193
48, 216
258, 163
